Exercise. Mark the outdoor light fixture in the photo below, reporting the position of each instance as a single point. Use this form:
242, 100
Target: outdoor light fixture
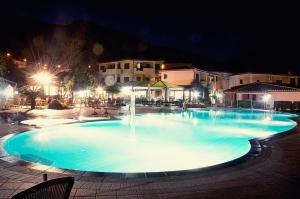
196, 94
43, 78
83, 93
8, 54
162, 66
99, 90
127, 90
266, 97
219, 95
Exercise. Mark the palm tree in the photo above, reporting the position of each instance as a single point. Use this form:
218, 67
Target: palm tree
31, 93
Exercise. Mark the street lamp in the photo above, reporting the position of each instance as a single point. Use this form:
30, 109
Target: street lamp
44, 79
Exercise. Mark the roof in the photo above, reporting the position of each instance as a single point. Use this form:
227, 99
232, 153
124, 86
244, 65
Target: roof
179, 68
254, 73
129, 60
6, 81
261, 87
157, 84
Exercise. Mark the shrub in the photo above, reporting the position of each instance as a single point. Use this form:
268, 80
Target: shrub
55, 104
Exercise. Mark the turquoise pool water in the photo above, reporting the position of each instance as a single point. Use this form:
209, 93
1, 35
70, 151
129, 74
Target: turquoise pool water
158, 142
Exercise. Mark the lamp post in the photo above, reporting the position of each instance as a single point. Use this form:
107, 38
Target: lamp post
44, 79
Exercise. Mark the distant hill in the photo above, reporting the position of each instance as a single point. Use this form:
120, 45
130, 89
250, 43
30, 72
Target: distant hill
257, 52
18, 32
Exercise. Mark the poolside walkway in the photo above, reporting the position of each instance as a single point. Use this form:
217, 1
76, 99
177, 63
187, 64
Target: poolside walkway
273, 174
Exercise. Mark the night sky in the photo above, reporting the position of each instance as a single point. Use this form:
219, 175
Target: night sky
263, 35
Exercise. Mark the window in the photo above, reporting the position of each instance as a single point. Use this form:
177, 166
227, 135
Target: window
197, 77
126, 66
139, 67
293, 81
298, 81
157, 66
111, 66
241, 81
126, 79
138, 79
278, 81
118, 79
119, 66
146, 65
103, 68
216, 78
165, 76
147, 78
257, 80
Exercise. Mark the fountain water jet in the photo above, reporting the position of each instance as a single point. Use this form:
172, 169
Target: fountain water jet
132, 114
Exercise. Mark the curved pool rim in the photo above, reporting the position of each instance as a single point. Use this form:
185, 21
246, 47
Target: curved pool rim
258, 147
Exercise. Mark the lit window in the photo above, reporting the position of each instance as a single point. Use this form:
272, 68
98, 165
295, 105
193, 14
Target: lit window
165, 76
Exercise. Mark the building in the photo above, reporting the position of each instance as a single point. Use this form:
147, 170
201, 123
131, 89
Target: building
7, 92
248, 78
261, 95
189, 76
123, 71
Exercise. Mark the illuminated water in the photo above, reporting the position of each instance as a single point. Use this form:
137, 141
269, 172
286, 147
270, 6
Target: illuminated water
159, 142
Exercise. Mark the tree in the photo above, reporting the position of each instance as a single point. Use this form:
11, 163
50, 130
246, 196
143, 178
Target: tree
114, 89
3, 68
81, 79
9, 70
31, 93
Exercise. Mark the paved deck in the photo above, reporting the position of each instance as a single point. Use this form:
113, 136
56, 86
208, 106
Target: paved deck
273, 174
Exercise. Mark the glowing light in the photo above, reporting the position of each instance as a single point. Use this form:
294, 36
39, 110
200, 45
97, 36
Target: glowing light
196, 94
127, 90
7, 92
58, 66
43, 78
47, 121
266, 97
83, 93
99, 89
195, 121
162, 66
267, 119
25, 60
8, 54
89, 66
219, 95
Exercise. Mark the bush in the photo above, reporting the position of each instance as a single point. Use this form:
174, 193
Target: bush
55, 104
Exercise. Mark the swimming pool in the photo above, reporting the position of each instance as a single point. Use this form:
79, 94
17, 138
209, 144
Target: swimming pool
157, 142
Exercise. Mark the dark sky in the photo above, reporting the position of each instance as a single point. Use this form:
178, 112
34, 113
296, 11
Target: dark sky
263, 34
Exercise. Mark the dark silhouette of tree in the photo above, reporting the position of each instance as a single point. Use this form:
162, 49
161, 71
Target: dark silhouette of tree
9, 70
114, 89
31, 93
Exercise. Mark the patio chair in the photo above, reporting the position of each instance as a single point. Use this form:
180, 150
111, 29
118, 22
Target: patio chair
59, 188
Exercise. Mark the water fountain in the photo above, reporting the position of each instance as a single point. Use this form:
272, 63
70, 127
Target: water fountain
132, 113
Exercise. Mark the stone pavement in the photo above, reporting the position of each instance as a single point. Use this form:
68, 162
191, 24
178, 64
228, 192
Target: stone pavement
275, 173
